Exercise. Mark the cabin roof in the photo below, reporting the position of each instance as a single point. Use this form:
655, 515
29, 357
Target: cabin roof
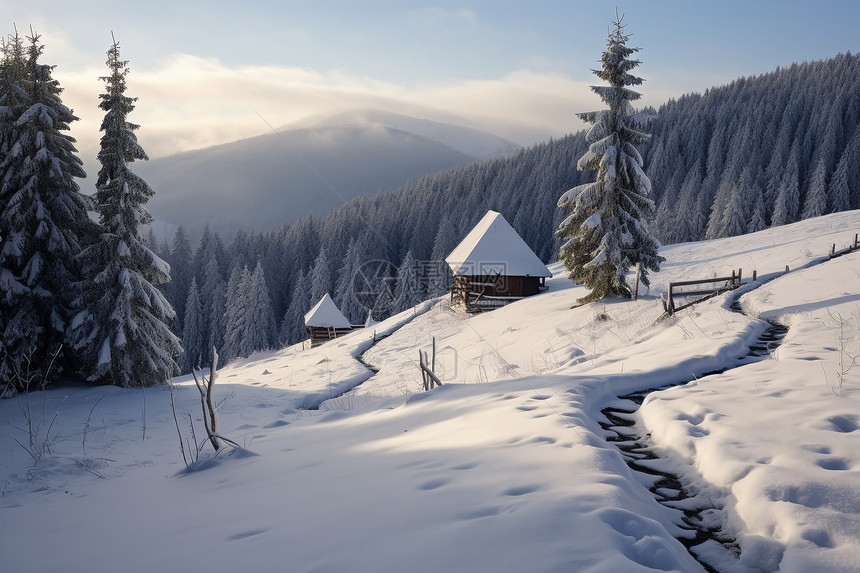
326, 314
493, 247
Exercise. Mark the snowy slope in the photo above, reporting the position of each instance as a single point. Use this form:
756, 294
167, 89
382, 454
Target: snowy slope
504, 468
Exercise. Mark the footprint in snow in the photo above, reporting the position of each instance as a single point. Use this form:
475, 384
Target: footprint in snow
836, 464
521, 490
246, 534
462, 467
433, 484
843, 424
479, 513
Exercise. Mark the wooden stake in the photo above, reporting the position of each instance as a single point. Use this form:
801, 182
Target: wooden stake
636, 288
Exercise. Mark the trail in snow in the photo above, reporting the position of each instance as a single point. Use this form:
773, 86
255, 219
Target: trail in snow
702, 518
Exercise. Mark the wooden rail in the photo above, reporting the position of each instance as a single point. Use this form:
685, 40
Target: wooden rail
729, 283
721, 285
850, 248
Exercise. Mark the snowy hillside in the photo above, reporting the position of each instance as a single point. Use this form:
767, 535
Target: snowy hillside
504, 468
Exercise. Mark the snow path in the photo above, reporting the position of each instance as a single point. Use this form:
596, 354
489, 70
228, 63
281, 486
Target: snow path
504, 468
707, 539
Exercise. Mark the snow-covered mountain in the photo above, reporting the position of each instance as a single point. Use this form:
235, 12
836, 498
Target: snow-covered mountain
473, 142
265, 181
506, 466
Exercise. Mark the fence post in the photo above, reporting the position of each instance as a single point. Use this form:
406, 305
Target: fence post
636, 288
786, 269
833, 250
671, 304
755, 275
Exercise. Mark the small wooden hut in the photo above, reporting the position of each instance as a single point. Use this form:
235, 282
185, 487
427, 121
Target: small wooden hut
325, 321
493, 266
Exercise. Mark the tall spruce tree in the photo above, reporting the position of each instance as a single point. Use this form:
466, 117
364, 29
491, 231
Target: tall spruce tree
235, 314
121, 329
194, 338
259, 321
606, 232
43, 220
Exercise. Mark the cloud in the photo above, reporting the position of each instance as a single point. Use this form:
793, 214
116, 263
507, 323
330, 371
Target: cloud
187, 102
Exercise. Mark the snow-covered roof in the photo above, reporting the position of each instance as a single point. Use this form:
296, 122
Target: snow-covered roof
493, 247
326, 314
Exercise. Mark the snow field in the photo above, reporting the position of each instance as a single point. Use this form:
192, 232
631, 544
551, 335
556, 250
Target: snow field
504, 468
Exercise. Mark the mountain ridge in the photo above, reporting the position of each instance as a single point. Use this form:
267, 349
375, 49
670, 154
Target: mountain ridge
274, 178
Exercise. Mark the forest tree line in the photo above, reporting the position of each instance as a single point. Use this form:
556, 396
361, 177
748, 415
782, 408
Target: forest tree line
759, 152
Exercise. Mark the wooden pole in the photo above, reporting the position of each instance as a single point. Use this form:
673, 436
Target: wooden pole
423, 370
636, 288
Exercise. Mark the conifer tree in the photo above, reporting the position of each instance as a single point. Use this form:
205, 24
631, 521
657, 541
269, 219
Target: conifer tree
344, 295
407, 292
606, 232
235, 315
320, 277
194, 337
293, 324
259, 323
180, 263
840, 184
213, 299
121, 328
43, 219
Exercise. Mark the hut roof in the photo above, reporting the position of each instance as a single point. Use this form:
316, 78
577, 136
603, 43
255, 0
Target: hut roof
493, 247
326, 314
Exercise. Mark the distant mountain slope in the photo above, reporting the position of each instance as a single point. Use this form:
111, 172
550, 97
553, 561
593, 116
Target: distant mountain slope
475, 143
265, 181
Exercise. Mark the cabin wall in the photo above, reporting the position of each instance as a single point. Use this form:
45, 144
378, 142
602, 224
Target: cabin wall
498, 286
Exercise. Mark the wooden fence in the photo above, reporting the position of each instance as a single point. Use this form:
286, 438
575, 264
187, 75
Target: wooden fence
849, 249
718, 285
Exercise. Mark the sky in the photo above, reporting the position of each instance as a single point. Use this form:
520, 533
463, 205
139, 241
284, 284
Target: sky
209, 72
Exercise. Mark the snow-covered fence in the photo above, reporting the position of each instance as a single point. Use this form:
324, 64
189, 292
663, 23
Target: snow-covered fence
704, 289
849, 249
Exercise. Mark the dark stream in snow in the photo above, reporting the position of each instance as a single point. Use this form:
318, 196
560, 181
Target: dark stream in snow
703, 521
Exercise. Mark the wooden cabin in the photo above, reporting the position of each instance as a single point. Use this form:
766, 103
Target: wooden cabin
325, 322
493, 266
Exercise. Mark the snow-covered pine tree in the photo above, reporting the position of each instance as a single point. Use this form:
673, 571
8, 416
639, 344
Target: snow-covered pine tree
321, 282
43, 219
845, 177
293, 324
121, 327
214, 299
235, 315
181, 271
606, 232
815, 202
408, 291
344, 295
194, 339
259, 323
